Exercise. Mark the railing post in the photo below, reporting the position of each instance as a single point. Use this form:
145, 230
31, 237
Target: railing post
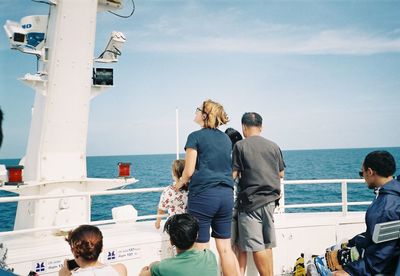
281, 208
344, 198
89, 207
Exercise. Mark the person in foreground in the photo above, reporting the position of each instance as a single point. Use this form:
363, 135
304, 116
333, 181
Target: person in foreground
260, 165
208, 168
86, 244
183, 230
377, 258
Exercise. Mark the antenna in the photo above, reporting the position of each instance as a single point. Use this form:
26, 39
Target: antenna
177, 132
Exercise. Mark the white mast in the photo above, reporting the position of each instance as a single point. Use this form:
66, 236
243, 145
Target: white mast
55, 162
177, 132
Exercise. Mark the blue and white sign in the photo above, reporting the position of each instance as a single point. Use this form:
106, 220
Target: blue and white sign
48, 265
122, 253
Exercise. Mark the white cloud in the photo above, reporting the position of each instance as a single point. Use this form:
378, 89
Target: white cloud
321, 42
229, 32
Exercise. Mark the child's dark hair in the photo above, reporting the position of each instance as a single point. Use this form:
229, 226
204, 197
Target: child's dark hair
177, 169
183, 230
86, 242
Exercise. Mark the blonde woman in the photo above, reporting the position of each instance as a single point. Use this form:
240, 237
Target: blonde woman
208, 169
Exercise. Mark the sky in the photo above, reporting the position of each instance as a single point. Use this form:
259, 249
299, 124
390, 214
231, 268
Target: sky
323, 74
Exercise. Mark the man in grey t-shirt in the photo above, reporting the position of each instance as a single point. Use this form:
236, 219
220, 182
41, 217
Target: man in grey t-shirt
259, 165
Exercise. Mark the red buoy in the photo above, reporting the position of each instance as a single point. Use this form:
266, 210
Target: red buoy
124, 169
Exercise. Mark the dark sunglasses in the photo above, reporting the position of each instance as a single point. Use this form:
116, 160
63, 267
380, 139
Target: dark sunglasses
361, 174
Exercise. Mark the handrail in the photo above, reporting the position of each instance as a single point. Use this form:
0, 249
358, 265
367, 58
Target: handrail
109, 192
322, 181
148, 190
71, 226
344, 203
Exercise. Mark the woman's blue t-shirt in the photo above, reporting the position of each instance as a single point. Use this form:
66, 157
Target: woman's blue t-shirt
214, 163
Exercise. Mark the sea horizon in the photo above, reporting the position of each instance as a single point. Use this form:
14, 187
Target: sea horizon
154, 170
183, 153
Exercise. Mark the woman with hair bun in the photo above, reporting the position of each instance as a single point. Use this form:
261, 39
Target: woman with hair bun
86, 244
208, 170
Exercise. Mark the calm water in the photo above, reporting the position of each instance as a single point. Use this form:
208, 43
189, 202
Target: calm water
154, 171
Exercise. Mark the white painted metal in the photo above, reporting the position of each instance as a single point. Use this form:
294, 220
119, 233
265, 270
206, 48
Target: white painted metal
113, 48
296, 233
344, 197
55, 161
386, 231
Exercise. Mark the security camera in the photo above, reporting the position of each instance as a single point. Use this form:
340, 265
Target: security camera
16, 34
113, 48
28, 35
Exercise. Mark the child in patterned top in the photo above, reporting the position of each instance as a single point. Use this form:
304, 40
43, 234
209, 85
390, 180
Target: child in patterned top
171, 201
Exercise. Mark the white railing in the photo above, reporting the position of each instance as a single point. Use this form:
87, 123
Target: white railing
86, 194
345, 203
283, 206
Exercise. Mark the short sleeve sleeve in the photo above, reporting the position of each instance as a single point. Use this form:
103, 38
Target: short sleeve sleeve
281, 163
155, 270
236, 160
192, 141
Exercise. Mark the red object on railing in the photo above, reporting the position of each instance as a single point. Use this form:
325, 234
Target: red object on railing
124, 169
14, 174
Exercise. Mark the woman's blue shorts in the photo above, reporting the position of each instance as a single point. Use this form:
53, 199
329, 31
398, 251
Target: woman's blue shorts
212, 207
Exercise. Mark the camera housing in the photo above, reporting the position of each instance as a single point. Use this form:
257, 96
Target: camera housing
113, 48
28, 35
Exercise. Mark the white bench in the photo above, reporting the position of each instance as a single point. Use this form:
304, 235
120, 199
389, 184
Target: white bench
387, 231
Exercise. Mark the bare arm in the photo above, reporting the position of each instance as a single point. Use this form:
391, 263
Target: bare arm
64, 270
235, 174
190, 165
145, 271
121, 268
282, 174
158, 220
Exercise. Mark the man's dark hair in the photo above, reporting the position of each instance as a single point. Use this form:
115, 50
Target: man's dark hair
183, 230
381, 161
1, 129
252, 119
234, 135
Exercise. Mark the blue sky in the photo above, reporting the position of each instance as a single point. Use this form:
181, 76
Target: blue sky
323, 74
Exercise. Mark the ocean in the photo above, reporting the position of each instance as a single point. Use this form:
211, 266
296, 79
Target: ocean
155, 171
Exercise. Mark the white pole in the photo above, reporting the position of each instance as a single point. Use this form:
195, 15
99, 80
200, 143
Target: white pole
177, 132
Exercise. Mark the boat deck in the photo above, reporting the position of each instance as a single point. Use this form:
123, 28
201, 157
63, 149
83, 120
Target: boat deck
138, 244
